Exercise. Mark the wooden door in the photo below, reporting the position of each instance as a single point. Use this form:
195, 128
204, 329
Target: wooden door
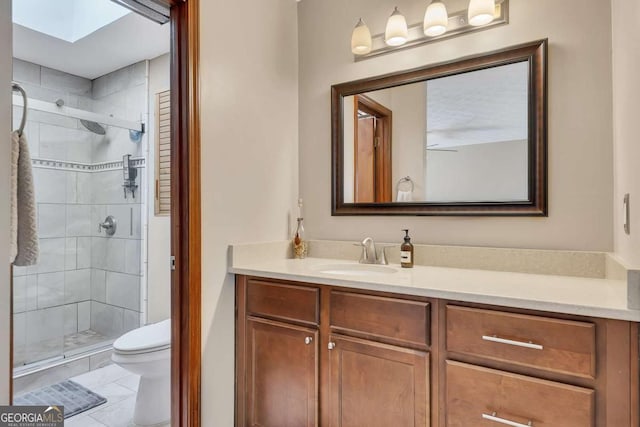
282, 377
377, 385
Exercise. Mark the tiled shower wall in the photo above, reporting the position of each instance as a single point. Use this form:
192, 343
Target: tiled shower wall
117, 261
83, 281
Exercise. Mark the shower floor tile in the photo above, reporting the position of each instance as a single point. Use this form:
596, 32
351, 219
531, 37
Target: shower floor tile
71, 344
83, 340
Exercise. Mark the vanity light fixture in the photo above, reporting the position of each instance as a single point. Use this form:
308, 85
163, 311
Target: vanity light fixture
436, 19
481, 12
438, 24
361, 39
397, 32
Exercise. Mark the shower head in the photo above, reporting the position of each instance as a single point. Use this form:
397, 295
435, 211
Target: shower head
93, 127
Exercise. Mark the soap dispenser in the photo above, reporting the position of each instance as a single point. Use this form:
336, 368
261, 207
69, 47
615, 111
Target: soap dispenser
298, 241
406, 251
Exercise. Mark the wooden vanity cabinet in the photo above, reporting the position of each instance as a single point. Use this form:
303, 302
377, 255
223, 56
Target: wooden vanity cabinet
515, 367
358, 359
277, 339
319, 355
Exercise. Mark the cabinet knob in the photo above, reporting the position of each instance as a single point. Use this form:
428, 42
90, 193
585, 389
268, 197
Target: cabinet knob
308, 340
331, 345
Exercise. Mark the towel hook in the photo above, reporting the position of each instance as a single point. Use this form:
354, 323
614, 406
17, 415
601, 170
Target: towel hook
402, 180
17, 88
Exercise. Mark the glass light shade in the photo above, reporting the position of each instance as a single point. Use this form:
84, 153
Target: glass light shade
361, 39
481, 12
436, 19
397, 32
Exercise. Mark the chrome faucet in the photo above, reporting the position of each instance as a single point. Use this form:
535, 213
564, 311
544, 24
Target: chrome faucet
369, 253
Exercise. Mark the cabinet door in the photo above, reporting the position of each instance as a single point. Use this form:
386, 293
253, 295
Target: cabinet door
377, 385
281, 382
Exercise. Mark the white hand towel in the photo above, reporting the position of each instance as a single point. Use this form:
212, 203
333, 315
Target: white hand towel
24, 226
404, 196
13, 237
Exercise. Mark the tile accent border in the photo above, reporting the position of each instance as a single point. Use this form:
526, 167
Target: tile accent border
138, 162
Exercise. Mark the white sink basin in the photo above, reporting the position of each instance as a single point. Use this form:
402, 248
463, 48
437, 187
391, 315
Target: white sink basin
356, 269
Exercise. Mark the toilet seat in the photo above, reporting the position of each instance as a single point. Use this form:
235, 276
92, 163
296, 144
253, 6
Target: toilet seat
147, 339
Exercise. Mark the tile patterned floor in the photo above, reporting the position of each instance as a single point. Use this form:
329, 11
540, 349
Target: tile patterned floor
119, 387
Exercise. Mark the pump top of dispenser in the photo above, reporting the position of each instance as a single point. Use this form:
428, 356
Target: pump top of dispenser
407, 239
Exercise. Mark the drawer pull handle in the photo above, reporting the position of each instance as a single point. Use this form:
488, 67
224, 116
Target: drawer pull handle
493, 417
529, 344
331, 345
308, 340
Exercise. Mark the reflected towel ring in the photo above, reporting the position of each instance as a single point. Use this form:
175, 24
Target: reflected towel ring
403, 180
17, 88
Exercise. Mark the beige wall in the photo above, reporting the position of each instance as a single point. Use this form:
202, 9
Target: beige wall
409, 105
626, 110
249, 108
478, 172
158, 227
5, 128
580, 146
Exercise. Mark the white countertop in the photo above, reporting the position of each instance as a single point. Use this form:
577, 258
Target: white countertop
561, 294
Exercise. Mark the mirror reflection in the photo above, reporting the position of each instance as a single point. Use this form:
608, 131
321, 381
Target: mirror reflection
458, 138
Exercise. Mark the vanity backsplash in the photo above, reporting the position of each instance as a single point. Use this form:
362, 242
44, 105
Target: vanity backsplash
598, 265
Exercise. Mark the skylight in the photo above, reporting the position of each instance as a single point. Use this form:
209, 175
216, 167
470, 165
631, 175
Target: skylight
68, 20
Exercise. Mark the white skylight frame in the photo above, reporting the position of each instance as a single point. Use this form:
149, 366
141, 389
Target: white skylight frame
68, 20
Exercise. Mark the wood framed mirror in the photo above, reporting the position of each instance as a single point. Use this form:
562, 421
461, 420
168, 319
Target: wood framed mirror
466, 137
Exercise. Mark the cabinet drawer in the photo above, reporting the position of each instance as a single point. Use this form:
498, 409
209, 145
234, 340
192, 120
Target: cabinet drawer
556, 345
393, 320
281, 301
479, 396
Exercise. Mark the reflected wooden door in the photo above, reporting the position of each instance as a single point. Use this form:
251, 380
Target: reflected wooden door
372, 151
365, 161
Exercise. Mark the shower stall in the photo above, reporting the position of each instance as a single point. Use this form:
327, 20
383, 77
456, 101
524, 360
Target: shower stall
88, 147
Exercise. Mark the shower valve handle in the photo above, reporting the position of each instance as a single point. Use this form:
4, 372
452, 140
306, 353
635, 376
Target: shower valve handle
109, 225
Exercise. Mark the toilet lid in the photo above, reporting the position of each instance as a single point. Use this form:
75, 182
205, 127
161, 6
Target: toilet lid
152, 337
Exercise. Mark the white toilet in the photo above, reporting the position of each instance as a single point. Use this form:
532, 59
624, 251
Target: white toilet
146, 352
